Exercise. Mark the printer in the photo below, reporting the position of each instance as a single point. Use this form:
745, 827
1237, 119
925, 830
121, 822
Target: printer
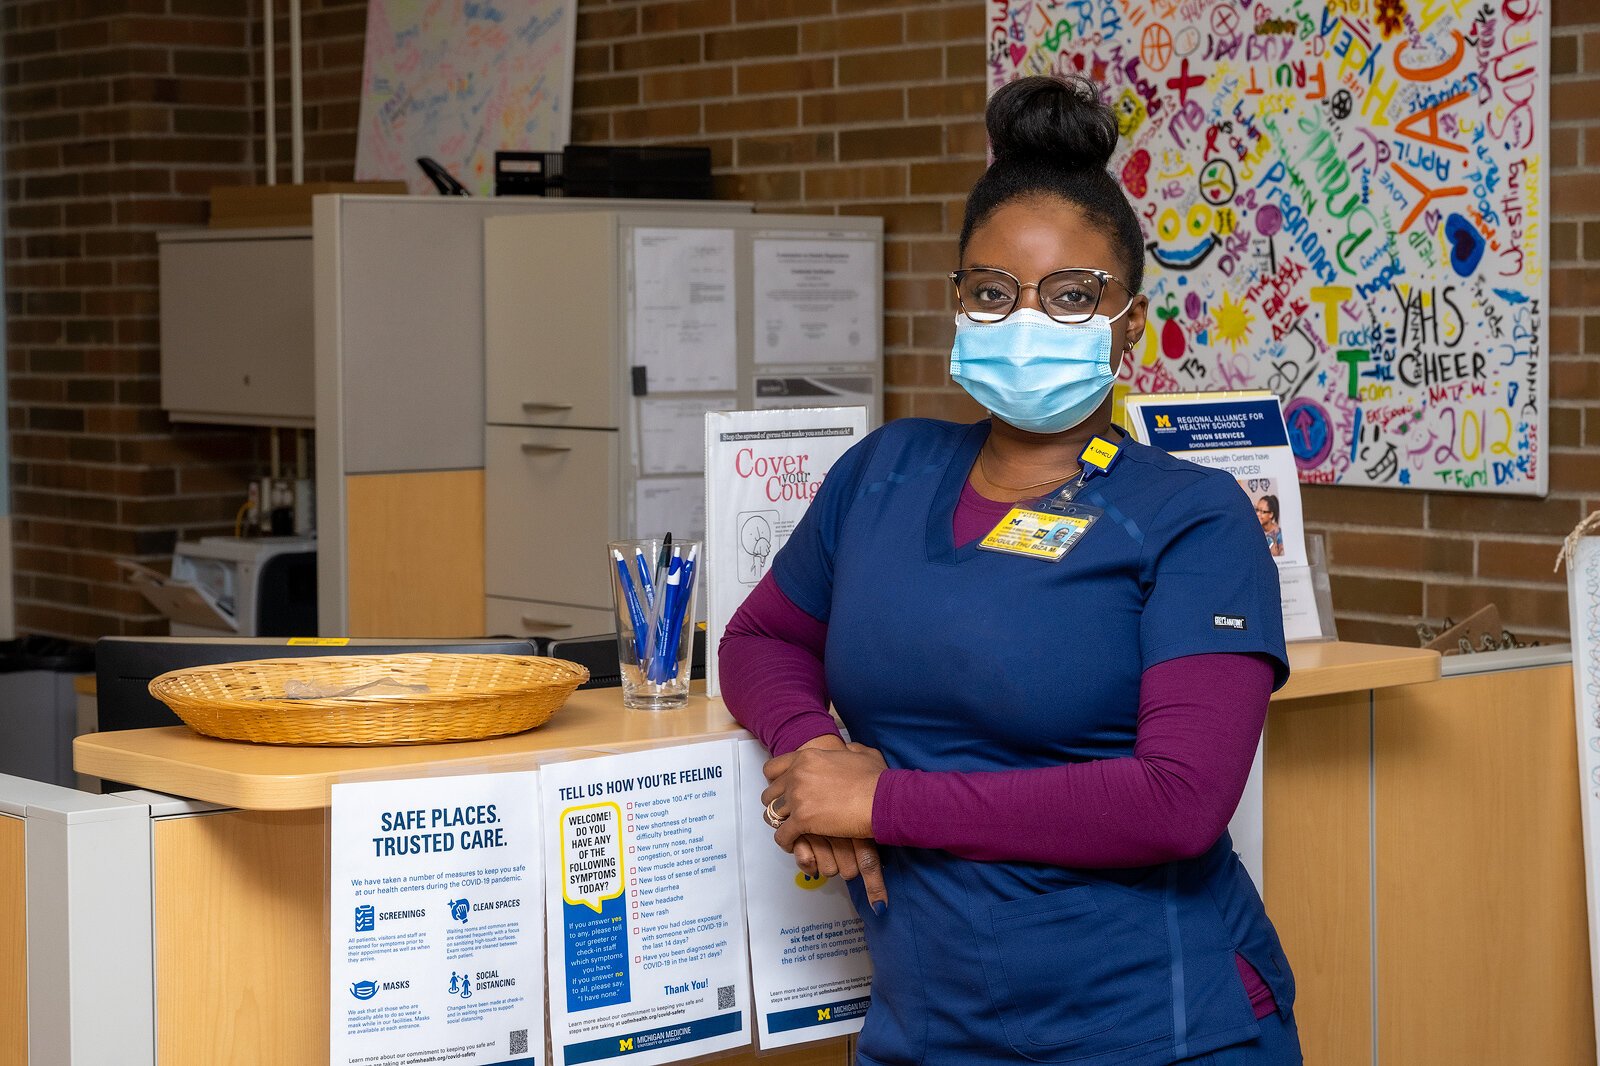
236, 587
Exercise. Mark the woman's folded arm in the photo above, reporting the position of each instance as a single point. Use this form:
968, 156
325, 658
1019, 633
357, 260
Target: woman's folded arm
1200, 718
770, 668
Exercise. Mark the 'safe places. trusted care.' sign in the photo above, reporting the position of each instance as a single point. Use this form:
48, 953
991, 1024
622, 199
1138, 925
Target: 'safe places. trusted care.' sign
437, 928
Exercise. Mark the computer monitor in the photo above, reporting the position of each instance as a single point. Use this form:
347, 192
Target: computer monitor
598, 655
124, 666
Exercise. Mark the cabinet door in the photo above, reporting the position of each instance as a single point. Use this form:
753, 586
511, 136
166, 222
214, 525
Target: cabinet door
529, 618
550, 321
550, 507
1479, 864
236, 341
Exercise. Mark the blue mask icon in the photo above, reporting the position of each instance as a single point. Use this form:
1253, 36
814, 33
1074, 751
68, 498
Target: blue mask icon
1033, 372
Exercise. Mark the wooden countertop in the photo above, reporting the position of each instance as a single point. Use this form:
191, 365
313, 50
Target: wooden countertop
180, 762
1326, 669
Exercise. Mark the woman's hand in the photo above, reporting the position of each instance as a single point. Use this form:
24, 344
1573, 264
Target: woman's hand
820, 853
823, 792
849, 859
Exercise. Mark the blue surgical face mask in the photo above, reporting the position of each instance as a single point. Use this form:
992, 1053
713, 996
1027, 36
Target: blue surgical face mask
1033, 372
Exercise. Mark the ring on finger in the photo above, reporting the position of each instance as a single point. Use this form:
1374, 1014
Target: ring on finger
770, 815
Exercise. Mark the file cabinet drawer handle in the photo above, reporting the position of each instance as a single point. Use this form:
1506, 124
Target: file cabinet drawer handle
539, 405
541, 623
528, 446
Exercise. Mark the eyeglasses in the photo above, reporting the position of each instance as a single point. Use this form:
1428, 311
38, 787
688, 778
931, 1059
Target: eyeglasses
1072, 295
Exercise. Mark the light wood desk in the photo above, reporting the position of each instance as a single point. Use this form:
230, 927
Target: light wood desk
262, 777
240, 896
1424, 865
1352, 763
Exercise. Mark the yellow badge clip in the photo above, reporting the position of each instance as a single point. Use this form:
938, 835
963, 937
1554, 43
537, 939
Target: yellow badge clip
1097, 456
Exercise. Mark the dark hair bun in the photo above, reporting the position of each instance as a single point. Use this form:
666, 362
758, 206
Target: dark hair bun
1058, 120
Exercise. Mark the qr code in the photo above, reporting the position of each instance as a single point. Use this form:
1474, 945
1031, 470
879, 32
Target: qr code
519, 1042
724, 997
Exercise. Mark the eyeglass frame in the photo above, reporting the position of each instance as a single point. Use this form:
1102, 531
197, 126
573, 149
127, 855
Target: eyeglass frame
1102, 275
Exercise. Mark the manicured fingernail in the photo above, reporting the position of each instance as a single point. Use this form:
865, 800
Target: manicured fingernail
880, 907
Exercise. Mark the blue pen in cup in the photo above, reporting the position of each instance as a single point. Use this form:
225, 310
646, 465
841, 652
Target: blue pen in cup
635, 613
645, 581
679, 609
660, 633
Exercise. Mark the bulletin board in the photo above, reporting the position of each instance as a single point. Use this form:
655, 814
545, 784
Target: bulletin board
458, 82
1346, 202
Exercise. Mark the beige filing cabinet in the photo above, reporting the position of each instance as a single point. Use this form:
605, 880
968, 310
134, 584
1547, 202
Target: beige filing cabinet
399, 339
549, 495
594, 422
236, 326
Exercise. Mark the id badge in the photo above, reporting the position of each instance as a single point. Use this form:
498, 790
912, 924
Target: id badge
1049, 528
1047, 533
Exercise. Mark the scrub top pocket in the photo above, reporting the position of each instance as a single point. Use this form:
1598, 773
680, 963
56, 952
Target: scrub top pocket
1066, 975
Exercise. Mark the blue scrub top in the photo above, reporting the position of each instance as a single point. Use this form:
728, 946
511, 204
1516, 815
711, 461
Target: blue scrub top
949, 658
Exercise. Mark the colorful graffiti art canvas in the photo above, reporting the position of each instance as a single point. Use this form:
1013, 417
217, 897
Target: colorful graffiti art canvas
1346, 202
459, 81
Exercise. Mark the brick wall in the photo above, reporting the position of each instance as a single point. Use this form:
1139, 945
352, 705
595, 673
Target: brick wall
333, 33
834, 106
119, 117
874, 107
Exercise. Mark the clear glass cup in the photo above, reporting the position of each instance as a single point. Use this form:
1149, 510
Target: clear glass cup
653, 597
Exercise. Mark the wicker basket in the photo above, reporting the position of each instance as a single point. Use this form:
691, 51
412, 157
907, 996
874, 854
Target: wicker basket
468, 697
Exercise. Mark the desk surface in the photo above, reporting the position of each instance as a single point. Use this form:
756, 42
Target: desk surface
180, 762
1326, 669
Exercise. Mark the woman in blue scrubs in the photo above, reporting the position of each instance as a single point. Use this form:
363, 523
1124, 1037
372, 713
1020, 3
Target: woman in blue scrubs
1046, 741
